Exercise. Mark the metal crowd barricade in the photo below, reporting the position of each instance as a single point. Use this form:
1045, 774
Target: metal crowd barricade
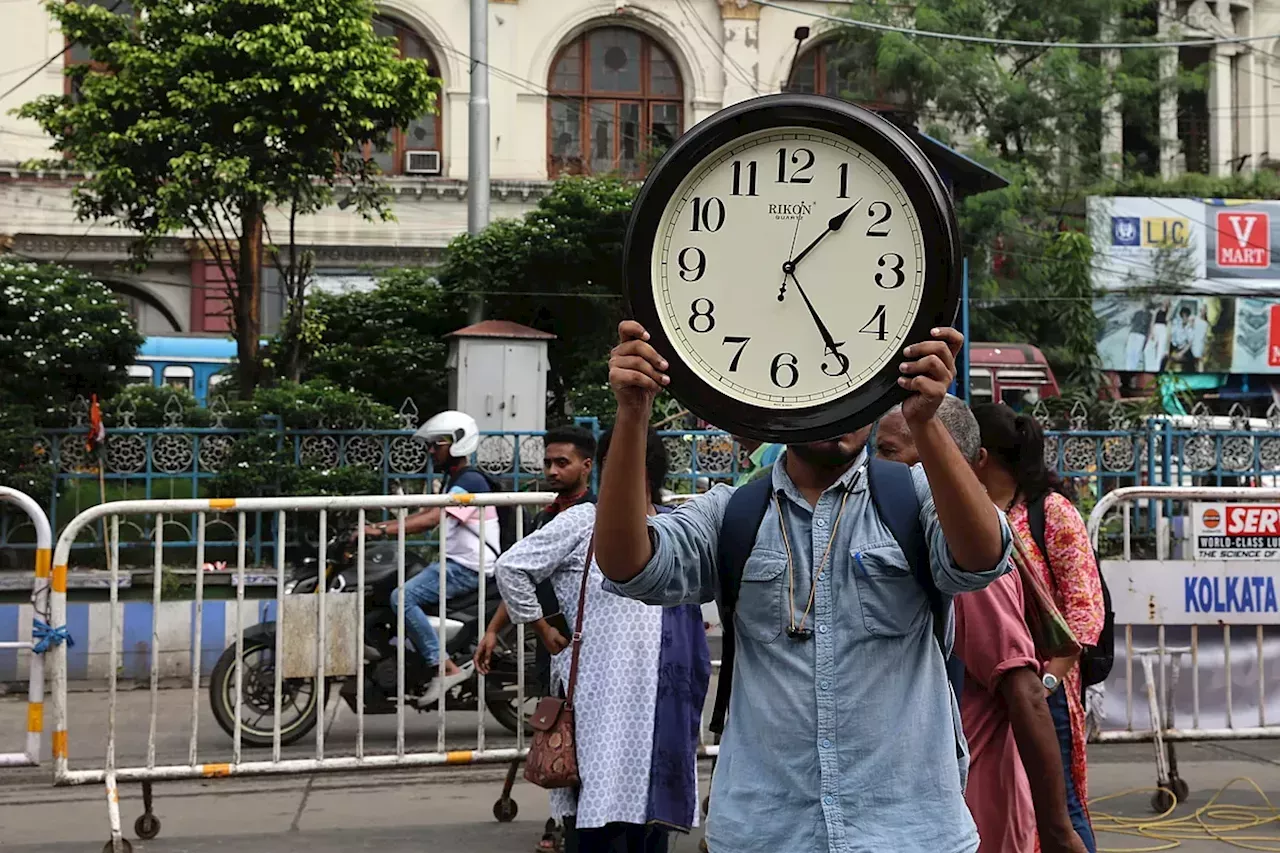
30, 757
163, 767
1156, 606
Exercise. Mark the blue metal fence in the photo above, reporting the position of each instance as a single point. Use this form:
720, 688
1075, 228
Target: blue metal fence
180, 461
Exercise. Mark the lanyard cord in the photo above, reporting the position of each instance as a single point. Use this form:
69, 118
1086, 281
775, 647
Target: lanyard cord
813, 579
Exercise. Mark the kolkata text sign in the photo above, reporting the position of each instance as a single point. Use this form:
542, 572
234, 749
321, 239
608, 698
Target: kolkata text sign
1193, 592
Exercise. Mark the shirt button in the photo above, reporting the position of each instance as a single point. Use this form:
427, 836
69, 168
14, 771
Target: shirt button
822, 522
822, 629
823, 685
828, 800
826, 744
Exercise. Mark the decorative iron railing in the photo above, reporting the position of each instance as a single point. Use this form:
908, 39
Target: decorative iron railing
177, 461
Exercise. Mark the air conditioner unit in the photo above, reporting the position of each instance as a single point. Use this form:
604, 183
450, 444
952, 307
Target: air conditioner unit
422, 162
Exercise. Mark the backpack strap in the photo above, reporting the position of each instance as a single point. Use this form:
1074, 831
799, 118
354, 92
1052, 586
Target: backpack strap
738, 529
893, 492
494, 486
1036, 521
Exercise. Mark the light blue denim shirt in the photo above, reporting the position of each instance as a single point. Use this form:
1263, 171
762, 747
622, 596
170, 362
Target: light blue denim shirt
845, 742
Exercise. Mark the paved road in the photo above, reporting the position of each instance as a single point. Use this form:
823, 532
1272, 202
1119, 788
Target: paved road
442, 810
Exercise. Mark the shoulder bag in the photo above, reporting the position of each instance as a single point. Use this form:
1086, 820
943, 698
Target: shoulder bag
553, 756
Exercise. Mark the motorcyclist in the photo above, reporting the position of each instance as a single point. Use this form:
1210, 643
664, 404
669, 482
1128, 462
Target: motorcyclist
453, 437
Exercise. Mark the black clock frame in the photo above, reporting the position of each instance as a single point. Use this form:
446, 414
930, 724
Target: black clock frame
926, 193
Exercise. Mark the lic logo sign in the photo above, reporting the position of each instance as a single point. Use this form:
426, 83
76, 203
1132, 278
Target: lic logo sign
1151, 232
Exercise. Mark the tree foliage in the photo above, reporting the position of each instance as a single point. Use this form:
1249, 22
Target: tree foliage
559, 270
1033, 115
62, 334
388, 342
263, 464
315, 404
1029, 105
154, 406
200, 116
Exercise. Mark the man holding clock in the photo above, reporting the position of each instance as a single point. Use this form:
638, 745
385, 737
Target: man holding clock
843, 734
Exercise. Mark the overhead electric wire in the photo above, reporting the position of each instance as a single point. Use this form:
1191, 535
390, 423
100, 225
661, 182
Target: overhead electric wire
691, 15
70, 44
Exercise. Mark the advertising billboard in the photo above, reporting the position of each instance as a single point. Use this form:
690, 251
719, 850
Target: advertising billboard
1241, 531
1186, 285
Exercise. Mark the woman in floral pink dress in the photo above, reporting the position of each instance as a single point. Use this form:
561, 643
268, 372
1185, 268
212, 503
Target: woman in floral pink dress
1015, 474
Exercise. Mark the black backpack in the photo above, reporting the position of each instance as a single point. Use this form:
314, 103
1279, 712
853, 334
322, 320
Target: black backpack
1095, 661
506, 514
894, 495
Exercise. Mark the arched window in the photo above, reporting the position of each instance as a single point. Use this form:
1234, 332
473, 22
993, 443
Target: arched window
846, 71
78, 54
615, 102
418, 148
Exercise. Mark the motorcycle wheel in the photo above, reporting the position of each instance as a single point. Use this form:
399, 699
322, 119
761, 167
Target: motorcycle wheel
503, 709
297, 707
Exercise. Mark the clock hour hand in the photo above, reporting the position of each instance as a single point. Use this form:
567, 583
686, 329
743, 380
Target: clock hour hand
832, 348
834, 224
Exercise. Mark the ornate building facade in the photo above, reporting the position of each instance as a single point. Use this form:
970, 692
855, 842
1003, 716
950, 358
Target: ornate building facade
576, 86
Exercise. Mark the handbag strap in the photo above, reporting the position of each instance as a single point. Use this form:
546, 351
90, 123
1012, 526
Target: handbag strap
577, 628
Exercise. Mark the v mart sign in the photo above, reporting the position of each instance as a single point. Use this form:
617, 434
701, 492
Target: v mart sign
1244, 239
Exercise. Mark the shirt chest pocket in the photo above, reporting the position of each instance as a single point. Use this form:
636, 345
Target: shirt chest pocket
888, 593
759, 611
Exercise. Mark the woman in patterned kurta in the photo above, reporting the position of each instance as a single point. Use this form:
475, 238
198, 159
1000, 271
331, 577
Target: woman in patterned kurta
642, 678
1014, 472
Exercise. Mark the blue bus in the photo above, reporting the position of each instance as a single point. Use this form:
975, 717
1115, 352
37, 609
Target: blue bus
195, 362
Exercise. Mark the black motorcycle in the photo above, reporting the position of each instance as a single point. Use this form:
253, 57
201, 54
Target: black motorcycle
298, 701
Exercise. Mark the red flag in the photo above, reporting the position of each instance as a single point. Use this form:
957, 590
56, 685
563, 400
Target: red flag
97, 432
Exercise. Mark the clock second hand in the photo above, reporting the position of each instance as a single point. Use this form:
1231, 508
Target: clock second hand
782, 288
831, 346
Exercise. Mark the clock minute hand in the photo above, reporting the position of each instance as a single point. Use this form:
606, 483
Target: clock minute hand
834, 224
832, 347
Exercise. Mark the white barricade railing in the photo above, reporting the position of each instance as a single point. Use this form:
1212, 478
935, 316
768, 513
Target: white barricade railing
1145, 595
157, 767
30, 757
294, 612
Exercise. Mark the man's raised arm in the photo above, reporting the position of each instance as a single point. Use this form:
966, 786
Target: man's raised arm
623, 547
974, 531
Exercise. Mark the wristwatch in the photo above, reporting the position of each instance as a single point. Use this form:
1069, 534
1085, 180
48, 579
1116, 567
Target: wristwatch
1050, 681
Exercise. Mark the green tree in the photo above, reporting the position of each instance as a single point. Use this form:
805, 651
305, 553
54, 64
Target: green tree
205, 116
62, 334
1034, 115
1029, 105
559, 270
388, 342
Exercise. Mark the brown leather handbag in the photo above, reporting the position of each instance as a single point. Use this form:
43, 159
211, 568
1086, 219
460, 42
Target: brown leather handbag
553, 756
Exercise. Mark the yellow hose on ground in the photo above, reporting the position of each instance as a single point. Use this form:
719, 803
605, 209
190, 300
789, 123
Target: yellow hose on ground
1211, 822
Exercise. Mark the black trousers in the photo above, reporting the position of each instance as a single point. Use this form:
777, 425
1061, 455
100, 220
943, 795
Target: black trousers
615, 838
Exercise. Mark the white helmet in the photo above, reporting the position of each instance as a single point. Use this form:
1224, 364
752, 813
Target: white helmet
459, 427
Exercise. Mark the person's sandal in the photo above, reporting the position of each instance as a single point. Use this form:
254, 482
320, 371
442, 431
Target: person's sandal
551, 838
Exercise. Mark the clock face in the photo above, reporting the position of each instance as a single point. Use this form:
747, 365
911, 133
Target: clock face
781, 255
788, 268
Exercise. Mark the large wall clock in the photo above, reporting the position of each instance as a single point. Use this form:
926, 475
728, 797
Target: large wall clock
781, 255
